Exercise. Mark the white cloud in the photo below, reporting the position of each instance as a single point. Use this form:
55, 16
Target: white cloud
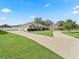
31, 16
75, 12
65, 15
3, 18
47, 5
6, 10
76, 7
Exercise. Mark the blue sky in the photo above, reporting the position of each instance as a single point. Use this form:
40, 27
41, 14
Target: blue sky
24, 11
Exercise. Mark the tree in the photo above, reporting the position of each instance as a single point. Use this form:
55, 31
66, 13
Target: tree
70, 24
47, 23
38, 20
61, 24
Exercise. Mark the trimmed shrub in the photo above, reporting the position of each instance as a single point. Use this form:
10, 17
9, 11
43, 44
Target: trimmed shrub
38, 29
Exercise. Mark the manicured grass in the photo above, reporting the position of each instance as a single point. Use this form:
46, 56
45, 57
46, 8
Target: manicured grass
74, 33
14, 46
46, 33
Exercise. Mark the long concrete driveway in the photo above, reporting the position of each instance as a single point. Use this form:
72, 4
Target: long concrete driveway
64, 45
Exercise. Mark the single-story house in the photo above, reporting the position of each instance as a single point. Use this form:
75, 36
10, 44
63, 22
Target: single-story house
31, 25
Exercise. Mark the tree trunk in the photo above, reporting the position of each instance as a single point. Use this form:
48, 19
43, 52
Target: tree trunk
69, 29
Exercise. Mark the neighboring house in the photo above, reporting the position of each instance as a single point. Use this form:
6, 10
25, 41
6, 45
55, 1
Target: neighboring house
6, 27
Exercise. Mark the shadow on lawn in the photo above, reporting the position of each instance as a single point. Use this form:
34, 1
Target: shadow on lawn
3, 32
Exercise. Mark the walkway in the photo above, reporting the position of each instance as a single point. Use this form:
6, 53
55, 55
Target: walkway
64, 45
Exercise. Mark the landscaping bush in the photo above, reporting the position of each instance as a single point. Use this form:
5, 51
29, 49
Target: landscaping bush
60, 28
37, 29
45, 28
31, 29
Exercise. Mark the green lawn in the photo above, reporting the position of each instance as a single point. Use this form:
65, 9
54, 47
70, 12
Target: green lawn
46, 33
14, 46
74, 33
